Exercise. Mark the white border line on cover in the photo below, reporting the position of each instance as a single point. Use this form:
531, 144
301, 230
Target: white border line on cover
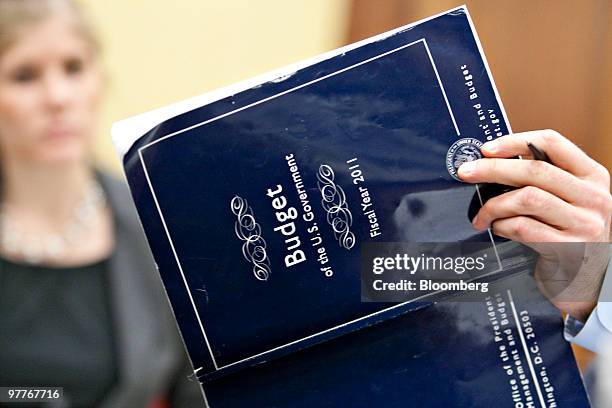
197, 125
140, 150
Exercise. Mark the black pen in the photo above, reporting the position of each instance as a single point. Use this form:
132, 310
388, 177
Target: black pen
538, 154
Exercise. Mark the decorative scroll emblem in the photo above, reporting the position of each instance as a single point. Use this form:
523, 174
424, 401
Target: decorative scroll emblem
463, 150
334, 204
249, 231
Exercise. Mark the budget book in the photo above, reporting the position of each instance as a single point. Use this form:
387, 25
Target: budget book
261, 201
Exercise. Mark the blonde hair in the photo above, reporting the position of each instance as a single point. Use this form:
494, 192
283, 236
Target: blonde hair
17, 15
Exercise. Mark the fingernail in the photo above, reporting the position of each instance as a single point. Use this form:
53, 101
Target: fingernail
475, 221
475, 224
467, 168
491, 146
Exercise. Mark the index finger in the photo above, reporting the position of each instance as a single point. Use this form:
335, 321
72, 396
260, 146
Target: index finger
521, 173
562, 152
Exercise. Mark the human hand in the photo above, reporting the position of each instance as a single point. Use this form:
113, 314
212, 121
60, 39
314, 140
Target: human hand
562, 210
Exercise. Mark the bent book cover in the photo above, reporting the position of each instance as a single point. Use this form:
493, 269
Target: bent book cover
260, 200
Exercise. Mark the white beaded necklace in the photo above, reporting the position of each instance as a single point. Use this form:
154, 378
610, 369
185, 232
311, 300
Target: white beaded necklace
36, 249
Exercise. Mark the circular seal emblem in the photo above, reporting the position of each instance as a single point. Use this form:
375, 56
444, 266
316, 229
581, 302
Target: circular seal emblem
463, 150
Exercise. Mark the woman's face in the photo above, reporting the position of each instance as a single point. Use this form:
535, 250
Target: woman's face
50, 86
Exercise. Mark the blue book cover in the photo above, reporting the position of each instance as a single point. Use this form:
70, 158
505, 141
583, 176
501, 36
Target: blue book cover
259, 201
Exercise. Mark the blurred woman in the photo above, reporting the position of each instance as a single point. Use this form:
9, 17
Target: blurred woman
81, 304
